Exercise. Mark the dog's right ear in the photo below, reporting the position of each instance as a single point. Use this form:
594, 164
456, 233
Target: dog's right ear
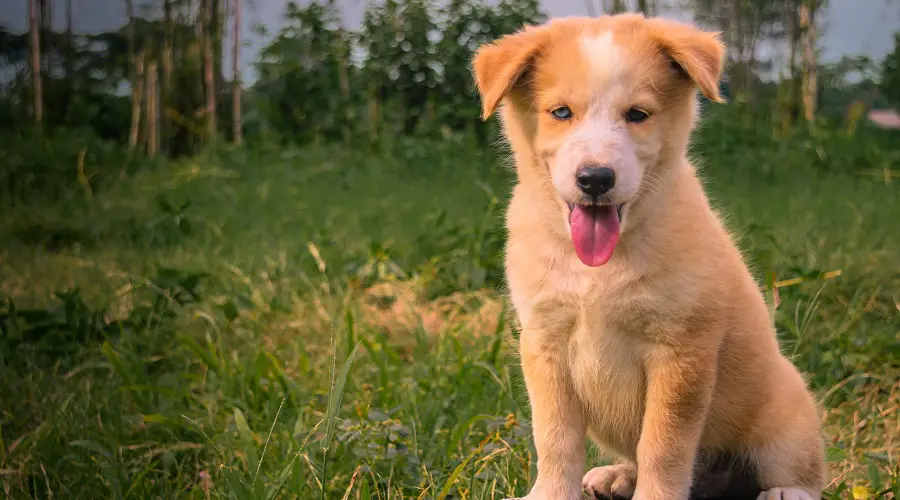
500, 64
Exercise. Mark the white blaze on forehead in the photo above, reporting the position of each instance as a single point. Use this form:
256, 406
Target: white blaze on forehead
603, 55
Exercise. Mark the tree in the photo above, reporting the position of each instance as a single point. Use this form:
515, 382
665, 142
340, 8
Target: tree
792, 96
398, 37
890, 74
35, 62
466, 25
137, 100
807, 24
644, 8
168, 40
237, 128
616, 7
136, 78
744, 24
209, 80
152, 105
69, 56
300, 71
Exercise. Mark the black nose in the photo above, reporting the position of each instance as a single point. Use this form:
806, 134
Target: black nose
595, 180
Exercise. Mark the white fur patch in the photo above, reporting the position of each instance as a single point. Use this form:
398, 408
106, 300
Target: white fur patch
786, 494
603, 55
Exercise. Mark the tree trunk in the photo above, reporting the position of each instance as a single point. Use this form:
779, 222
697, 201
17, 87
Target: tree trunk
152, 105
69, 58
739, 73
46, 26
618, 6
137, 90
237, 128
198, 48
218, 42
808, 29
134, 78
794, 93
35, 60
643, 7
209, 71
167, 63
70, 41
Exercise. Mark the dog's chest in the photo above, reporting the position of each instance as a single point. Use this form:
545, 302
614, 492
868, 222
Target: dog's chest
607, 369
574, 313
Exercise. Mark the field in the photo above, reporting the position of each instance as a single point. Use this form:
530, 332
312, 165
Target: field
326, 322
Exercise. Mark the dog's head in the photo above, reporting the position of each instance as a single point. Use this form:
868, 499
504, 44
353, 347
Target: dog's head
599, 103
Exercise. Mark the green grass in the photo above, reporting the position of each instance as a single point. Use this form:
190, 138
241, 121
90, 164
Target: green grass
325, 323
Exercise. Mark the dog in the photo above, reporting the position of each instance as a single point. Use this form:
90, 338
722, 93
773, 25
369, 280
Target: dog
641, 326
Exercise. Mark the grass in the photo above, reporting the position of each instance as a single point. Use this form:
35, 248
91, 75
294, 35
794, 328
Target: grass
325, 323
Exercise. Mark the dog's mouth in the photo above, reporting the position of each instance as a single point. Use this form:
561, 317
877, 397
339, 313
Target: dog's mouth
595, 231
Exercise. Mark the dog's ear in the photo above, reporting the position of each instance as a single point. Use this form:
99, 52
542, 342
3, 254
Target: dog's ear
499, 65
699, 54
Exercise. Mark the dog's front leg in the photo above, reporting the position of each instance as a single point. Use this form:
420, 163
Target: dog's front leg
556, 417
679, 390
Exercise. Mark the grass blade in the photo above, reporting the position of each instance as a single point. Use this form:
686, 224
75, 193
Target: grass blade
334, 403
459, 468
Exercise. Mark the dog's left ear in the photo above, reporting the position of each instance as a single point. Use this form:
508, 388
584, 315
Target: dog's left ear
499, 65
700, 54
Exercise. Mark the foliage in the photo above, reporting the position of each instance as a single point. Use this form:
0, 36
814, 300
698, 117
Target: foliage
744, 25
890, 74
304, 75
466, 25
47, 166
408, 69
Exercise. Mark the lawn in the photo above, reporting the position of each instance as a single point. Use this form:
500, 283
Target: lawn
326, 322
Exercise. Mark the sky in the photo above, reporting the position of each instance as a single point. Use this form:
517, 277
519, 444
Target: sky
850, 27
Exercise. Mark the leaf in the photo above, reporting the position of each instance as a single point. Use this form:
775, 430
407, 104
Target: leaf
834, 455
875, 475
115, 361
231, 310
247, 438
185, 226
91, 445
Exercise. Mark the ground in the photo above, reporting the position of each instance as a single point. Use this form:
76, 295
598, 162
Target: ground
326, 321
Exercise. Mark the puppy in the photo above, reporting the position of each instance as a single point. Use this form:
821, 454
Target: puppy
641, 326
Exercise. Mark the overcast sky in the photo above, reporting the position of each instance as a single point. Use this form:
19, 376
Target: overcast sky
850, 26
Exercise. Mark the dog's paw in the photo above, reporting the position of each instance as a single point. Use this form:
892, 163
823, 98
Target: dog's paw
610, 482
543, 495
790, 493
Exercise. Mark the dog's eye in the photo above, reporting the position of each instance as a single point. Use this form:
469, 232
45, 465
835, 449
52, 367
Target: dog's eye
562, 113
635, 115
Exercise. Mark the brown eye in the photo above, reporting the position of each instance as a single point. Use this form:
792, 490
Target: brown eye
635, 115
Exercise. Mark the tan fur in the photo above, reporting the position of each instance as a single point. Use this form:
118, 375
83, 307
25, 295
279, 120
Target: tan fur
667, 350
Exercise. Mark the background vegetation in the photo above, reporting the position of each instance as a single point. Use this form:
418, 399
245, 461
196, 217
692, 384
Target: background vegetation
203, 295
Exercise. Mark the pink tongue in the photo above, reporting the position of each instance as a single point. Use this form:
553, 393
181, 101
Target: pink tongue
595, 232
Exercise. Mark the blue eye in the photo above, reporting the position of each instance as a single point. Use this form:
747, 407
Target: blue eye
635, 115
562, 113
